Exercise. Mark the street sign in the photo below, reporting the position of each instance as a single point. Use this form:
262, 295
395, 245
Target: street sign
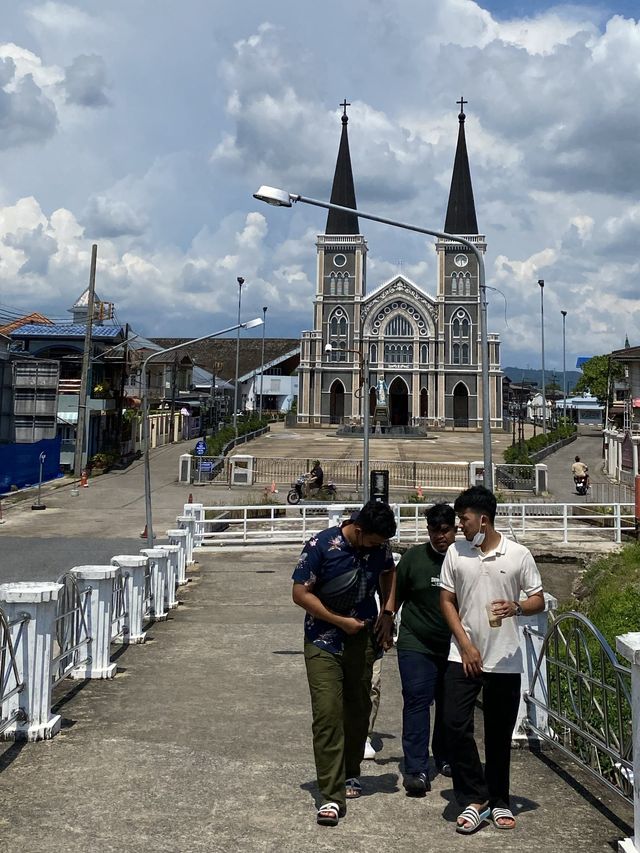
201, 448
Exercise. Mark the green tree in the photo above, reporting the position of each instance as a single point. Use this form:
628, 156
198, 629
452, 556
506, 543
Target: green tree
598, 375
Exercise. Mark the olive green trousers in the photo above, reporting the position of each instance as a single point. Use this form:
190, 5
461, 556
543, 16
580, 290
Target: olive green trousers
340, 686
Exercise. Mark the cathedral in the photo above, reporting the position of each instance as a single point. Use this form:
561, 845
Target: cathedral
423, 350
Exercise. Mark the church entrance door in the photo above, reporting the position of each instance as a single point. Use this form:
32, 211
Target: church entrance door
336, 403
460, 406
398, 403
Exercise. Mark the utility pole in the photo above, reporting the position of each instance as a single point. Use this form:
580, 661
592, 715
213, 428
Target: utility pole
544, 390
79, 458
264, 327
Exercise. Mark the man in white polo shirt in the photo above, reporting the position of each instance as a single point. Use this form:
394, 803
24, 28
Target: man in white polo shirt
482, 577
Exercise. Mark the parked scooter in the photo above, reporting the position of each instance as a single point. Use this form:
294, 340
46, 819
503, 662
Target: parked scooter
300, 491
581, 484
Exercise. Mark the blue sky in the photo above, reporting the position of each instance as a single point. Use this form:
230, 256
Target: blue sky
148, 133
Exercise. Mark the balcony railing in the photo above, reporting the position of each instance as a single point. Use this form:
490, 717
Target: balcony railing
69, 386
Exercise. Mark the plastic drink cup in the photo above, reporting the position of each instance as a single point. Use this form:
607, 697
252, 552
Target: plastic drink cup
494, 621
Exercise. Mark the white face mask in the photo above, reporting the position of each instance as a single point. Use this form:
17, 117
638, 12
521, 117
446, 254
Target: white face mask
478, 539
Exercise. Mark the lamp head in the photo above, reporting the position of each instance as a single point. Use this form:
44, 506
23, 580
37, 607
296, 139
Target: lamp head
328, 348
272, 195
541, 282
564, 313
251, 324
240, 280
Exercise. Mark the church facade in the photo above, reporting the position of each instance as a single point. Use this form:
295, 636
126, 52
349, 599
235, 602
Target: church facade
423, 349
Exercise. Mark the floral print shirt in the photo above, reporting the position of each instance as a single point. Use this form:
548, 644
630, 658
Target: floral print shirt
327, 555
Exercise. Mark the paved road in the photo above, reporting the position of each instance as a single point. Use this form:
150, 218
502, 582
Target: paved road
48, 558
589, 449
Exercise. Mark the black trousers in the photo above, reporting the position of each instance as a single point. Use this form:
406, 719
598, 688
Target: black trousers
500, 700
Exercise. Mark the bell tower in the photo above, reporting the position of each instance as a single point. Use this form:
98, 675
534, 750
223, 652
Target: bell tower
340, 288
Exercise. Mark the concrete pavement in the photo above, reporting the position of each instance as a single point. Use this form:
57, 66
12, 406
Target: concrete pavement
202, 743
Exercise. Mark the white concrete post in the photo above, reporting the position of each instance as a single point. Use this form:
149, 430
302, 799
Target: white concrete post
476, 473
135, 567
33, 645
541, 478
99, 579
335, 514
179, 537
530, 647
172, 552
184, 467
158, 568
628, 645
197, 511
188, 523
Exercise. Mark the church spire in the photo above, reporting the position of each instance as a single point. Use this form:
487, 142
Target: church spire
461, 210
343, 191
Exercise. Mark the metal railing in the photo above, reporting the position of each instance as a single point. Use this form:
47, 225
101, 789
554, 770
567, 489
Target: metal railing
586, 697
519, 478
610, 493
347, 472
10, 683
273, 524
72, 637
119, 612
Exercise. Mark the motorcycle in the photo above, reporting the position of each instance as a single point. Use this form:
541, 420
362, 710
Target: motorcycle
581, 484
299, 491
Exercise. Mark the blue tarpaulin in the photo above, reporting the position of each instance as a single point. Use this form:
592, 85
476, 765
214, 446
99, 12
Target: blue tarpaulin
20, 463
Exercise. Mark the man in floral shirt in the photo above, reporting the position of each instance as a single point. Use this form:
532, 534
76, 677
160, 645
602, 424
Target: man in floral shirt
337, 575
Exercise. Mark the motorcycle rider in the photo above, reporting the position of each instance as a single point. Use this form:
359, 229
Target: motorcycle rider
316, 477
580, 471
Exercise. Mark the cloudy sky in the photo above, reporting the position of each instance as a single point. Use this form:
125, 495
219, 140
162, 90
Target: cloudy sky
146, 127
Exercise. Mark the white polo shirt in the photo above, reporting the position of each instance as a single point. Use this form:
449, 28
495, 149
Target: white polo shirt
477, 579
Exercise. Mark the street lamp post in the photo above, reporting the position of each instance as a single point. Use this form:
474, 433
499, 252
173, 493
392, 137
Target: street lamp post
264, 326
240, 281
544, 391
145, 414
364, 391
282, 198
564, 368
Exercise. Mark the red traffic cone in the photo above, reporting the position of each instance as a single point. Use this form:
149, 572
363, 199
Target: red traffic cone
143, 535
84, 479
190, 498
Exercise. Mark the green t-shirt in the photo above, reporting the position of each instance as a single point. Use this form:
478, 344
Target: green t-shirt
422, 625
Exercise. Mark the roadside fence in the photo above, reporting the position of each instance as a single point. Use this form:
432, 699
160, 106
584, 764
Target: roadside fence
277, 524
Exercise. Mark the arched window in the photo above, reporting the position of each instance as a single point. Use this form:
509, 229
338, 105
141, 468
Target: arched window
465, 353
342, 327
332, 284
373, 353
424, 353
455, 351
345, 284
454, 284
343, 354
455, 328
467, 285
339, 284
333, 327
399, 327
465, 327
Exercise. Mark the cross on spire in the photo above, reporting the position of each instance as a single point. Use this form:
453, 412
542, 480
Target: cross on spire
462, 102
344, 106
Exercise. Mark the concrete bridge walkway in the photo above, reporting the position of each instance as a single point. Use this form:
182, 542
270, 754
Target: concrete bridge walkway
202, 743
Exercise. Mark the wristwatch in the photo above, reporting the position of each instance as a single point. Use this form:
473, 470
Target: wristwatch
518, 609
388, 613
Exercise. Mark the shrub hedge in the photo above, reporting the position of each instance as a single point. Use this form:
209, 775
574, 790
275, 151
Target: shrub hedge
520, 454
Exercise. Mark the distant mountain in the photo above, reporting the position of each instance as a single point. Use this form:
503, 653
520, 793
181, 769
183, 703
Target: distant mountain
518, 374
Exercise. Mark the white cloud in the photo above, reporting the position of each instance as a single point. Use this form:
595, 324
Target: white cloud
199, 115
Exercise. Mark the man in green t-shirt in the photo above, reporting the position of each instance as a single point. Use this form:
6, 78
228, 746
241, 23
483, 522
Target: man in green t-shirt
423, 649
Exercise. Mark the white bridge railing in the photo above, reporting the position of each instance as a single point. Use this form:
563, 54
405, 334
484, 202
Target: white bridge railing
65, 629
269, 524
